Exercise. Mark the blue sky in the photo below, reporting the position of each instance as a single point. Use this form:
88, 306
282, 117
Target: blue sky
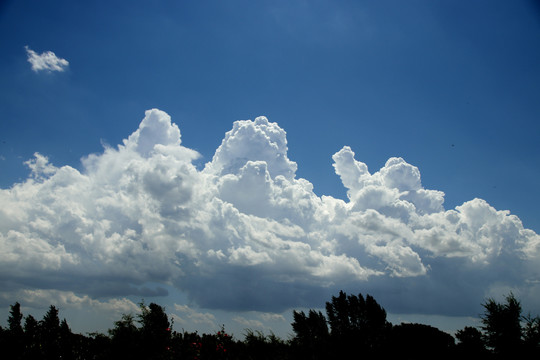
450, 87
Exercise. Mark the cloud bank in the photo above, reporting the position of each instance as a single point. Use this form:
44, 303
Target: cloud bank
47, 61
244, 233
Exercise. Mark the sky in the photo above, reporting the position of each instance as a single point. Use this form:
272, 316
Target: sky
236, 160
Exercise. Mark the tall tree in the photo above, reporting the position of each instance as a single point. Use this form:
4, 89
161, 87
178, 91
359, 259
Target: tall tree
155, 330
31, 335
50, 334
14, 335
471, 342
311, 334
502, 327
531, 335
15, 318
125, 339
357, 322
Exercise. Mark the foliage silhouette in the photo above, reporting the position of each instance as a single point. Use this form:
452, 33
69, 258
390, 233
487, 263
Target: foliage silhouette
14, 339
421, 341
471, 343
354, 327
32, 338
531, 335
312, 336
258, 346
357, 324
15, 318
502, 327
155, 331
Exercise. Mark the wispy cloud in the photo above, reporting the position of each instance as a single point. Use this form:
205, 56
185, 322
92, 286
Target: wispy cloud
245, 233
194, 316
47, 61
250, 323
38, 298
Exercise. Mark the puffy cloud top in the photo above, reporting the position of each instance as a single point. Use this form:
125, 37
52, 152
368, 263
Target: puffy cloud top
246, 233
257, 140
47, 61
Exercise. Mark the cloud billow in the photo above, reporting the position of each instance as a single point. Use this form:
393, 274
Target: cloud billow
47, 61
245, 233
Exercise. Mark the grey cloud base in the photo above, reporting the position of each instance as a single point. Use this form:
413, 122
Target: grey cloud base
245, 233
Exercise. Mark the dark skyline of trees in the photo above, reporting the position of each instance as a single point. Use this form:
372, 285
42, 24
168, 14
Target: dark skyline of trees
353, 324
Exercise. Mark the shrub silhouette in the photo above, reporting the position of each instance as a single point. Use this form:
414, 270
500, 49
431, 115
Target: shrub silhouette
354, 327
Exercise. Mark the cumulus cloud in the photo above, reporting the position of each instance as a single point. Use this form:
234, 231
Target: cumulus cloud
47, 61
248, 323
37, 298
244, 233
189, 315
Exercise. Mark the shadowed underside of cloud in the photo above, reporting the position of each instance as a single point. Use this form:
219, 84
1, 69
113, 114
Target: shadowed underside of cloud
245, 233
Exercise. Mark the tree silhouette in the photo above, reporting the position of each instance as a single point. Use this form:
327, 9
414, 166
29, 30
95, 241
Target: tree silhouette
125, 340
31, 336
502, 327
155, 331
421, 341
152, 340
15, 335
354, 327
471, 342
531, 335
49, 329
311, 340
15, 318
357, 323
258, 346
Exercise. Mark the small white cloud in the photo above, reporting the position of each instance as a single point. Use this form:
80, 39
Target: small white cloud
40, 298
195, 317
250, 323
47, 61
272, 317
40, 166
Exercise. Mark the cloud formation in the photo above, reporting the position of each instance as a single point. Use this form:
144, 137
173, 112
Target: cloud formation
244, 233
47, 61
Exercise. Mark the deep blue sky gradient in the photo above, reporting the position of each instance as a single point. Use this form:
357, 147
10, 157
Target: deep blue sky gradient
451, 86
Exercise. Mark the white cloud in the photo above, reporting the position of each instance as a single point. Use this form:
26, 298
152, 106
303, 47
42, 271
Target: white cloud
245, 233
258, 140
47, 61
41, 298
191, 316
272, 317
249, 323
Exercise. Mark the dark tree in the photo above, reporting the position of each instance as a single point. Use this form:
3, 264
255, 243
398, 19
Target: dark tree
311, 335
49, 329
31, 335
15, 318
31, 326
97, 347
531, 335
421, 341
155, 331
14, 336
125, 339
357, 324
502, 326
68, 341
471, 343
258, 346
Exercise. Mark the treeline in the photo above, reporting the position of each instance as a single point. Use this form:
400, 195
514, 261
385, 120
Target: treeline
353, 327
